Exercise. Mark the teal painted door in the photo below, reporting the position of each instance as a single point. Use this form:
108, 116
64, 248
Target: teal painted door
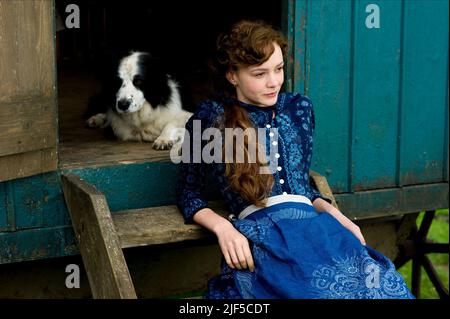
380, 94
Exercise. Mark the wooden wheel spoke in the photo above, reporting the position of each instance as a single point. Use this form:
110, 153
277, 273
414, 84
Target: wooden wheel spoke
432, 274
415, 248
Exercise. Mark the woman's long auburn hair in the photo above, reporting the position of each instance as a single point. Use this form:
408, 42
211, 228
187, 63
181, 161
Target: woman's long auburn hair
247, 43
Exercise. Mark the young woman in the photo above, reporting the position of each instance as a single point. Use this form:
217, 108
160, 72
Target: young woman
284, 240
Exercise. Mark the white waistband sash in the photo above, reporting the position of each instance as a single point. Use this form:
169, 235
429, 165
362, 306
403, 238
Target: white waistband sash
273, 201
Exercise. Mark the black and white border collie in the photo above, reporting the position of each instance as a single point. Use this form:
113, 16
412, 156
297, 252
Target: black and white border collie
147, 105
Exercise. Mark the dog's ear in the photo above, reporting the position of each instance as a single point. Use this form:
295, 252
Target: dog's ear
154, 76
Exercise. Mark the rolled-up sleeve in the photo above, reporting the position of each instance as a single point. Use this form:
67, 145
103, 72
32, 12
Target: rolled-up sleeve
190, 188
314, 194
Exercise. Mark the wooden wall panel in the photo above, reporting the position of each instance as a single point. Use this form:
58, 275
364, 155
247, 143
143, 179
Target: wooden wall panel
9, 21
28, 114
329, 57
380, 94
424, 129
375, 97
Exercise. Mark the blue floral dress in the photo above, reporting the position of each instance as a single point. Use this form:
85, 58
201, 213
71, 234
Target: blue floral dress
298, 252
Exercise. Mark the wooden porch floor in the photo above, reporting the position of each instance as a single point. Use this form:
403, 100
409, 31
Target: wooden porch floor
81, 146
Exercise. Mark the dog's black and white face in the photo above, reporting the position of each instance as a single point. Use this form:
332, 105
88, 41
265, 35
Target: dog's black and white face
142, 80
140, 84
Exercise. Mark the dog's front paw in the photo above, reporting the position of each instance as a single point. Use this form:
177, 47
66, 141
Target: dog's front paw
163, 144
98, 120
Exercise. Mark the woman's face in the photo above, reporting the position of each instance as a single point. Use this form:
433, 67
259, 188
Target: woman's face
260, 84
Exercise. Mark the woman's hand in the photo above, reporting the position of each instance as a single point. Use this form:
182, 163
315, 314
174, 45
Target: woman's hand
356, 231
234, 246
347, 223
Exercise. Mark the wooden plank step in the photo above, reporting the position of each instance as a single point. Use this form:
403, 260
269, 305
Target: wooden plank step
159, 225
102, 236
165, 224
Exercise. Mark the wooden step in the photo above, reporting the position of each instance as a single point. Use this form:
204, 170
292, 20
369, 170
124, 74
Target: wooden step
158, 225
102, 235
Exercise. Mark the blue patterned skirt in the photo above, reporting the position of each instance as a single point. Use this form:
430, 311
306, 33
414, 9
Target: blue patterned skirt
299, 253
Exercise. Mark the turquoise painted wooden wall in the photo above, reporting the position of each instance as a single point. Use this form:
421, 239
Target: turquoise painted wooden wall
380, 94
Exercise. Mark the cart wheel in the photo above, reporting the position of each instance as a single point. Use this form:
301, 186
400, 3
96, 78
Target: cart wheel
416, 248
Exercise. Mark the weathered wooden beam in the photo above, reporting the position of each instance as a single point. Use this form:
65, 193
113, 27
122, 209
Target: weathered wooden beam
394, 201
159, 225
322, 186
27, 164
98, 241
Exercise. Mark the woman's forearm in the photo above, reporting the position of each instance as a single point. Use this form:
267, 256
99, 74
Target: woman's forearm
212, 221
323, 206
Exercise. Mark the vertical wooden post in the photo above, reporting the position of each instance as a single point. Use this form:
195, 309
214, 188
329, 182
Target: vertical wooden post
98, 241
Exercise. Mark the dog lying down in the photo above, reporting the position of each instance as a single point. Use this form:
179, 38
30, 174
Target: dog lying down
145, 104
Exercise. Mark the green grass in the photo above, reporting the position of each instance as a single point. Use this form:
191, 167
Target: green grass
439, 232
